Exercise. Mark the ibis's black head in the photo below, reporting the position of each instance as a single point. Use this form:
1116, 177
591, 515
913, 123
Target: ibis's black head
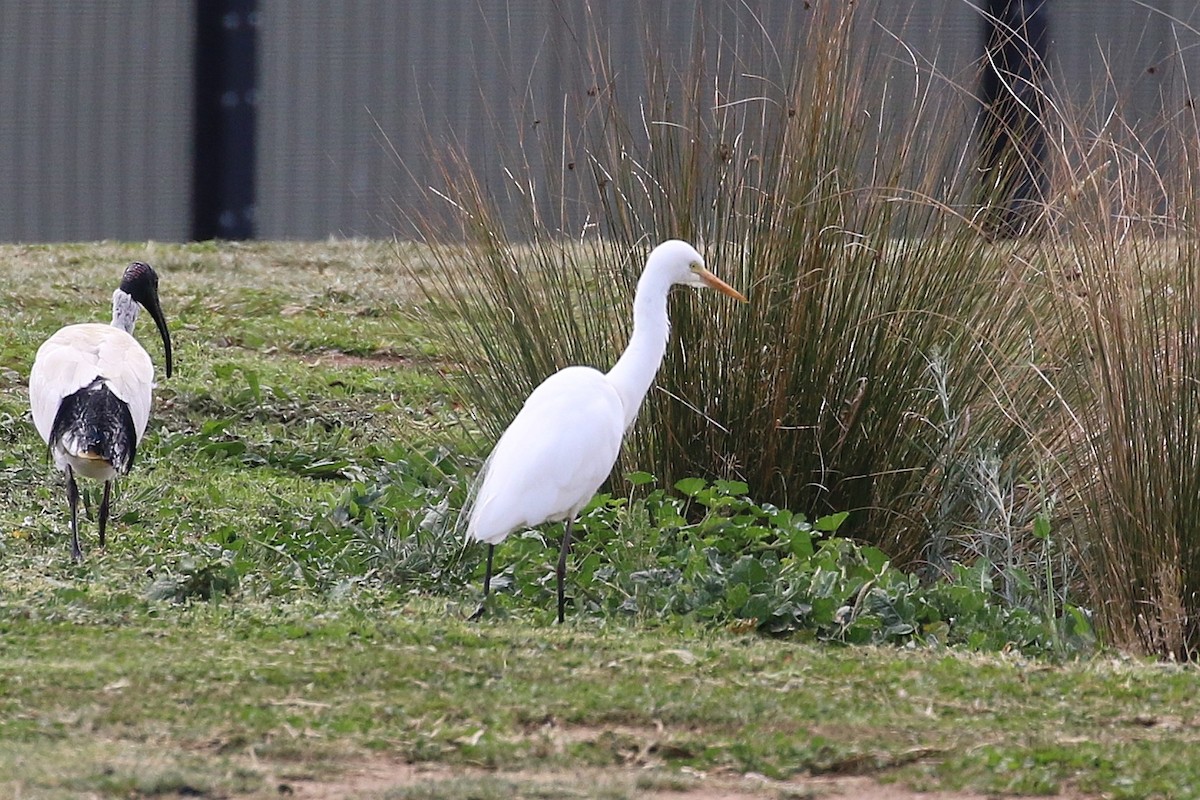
140, 282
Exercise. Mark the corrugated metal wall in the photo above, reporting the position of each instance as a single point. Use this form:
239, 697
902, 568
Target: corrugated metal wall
95, 120
360, 95
1138, 54
356, 96
355, 92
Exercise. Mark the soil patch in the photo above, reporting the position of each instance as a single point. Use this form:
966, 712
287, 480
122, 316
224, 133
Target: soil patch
377, 778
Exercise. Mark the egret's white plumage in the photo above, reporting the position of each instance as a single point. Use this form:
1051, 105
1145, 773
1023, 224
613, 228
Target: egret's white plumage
90, 391
564, 441
553, 471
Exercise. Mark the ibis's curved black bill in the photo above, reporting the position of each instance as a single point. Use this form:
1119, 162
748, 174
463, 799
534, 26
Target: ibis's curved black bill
140, 282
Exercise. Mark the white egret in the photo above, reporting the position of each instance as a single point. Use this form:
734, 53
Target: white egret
564, 441
90, 391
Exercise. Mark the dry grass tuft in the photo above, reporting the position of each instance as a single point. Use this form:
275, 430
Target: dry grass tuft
948, 389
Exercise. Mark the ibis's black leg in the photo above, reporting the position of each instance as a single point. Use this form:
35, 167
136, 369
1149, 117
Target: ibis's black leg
73, 501
562, 567
104, 511
487, 584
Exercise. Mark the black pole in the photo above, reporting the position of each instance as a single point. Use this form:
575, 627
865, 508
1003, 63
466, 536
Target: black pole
1012, 136
225, 97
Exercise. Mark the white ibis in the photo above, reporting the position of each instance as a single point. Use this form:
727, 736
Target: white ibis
564, 441
90, 390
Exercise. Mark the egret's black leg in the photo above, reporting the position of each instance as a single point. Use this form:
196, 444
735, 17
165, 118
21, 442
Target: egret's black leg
487, 584
73, 501
562, 567
104, 511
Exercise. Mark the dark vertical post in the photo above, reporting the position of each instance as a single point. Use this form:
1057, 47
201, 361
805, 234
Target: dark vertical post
1012, 136
225, 97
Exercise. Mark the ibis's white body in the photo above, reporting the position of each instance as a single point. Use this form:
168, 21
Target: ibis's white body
72, 359
90, 392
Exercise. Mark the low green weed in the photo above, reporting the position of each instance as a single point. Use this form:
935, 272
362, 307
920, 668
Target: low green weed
206, 575
399, 525
709, 554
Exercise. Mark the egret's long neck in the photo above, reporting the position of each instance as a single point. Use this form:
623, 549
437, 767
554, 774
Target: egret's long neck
125, 311
635, 369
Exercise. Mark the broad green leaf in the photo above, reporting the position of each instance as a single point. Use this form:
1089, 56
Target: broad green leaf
876, 559
801, 544
733, 488
1041, 527
831, 522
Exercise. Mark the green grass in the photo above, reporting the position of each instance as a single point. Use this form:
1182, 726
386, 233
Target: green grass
307, 667
196, 690
290, 361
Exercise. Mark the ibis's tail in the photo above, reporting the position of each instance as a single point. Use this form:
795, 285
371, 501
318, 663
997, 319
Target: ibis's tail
94, 423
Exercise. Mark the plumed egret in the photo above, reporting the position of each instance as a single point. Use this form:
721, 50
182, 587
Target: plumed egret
90, 390
564, 441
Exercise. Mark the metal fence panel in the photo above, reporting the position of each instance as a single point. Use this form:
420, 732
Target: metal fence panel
357, 97
1141, 57
356, 93
360, 96
95, 120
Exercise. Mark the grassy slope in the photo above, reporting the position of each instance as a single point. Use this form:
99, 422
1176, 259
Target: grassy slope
104, 691
280, 316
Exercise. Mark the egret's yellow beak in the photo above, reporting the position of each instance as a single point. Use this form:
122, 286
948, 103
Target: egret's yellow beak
721, 286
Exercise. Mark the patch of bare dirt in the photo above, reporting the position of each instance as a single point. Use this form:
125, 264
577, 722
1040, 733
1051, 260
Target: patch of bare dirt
379, 360
376, 778
336, 358
642, 772
359, 780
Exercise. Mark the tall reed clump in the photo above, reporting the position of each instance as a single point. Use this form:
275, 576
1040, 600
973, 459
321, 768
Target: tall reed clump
1126, 251
886, 345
